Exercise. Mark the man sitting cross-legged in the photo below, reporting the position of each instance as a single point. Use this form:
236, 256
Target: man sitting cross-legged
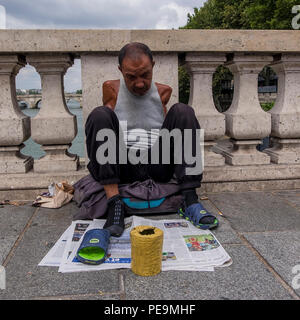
139, 101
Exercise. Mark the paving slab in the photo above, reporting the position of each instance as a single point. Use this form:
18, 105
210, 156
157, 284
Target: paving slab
57, 217
247, 278
13, 219
257, 211
280, 249
99, 296
5, 247
290, 196
224, 232
25, 280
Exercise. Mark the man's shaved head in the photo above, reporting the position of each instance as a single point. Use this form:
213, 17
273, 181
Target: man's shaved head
133, 51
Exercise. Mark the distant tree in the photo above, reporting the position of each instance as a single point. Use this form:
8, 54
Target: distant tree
34, 91
79, 91
244, 14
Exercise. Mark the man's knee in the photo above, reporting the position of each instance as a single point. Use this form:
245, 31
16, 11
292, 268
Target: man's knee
100, 117
182, 110
99, 113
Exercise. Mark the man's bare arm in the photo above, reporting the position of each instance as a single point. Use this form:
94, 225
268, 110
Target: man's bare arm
110, 91
165, 93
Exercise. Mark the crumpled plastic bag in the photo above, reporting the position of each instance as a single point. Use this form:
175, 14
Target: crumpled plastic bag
58, 195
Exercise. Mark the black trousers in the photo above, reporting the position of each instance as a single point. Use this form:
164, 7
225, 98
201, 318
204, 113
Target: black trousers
179, 116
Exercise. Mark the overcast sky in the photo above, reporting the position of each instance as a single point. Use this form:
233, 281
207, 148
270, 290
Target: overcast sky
90, 14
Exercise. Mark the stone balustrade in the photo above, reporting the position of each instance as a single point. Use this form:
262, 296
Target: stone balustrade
230, 164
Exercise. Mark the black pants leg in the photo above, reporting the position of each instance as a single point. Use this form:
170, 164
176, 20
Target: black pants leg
105, 118
179, 116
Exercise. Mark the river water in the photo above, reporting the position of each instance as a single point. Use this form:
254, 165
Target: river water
34, 150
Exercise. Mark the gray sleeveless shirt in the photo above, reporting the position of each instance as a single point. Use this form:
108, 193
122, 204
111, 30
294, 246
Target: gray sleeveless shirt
143, 116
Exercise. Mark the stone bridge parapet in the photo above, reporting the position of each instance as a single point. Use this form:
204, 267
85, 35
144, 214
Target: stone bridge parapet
230, 164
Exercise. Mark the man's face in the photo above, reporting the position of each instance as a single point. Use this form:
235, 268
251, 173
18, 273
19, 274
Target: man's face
137, 74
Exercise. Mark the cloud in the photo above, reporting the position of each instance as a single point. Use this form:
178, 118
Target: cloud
172, 16
120, 14
28, 78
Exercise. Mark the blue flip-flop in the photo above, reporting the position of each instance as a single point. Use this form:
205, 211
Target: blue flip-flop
195, 213
93, 248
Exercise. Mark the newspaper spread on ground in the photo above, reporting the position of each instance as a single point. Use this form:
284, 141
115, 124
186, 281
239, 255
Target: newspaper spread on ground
55, 254
185, 247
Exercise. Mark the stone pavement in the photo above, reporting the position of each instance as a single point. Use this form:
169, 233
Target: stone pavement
259, 230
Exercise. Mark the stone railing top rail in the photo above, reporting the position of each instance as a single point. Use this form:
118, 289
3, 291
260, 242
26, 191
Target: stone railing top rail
94, 40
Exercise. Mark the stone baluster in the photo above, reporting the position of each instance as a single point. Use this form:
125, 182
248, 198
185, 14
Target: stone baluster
14, 125
55, 126
201, 68
285, 135
246, 122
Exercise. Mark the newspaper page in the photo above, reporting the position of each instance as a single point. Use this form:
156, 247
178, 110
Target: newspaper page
55, 254
118, 253
187, 247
